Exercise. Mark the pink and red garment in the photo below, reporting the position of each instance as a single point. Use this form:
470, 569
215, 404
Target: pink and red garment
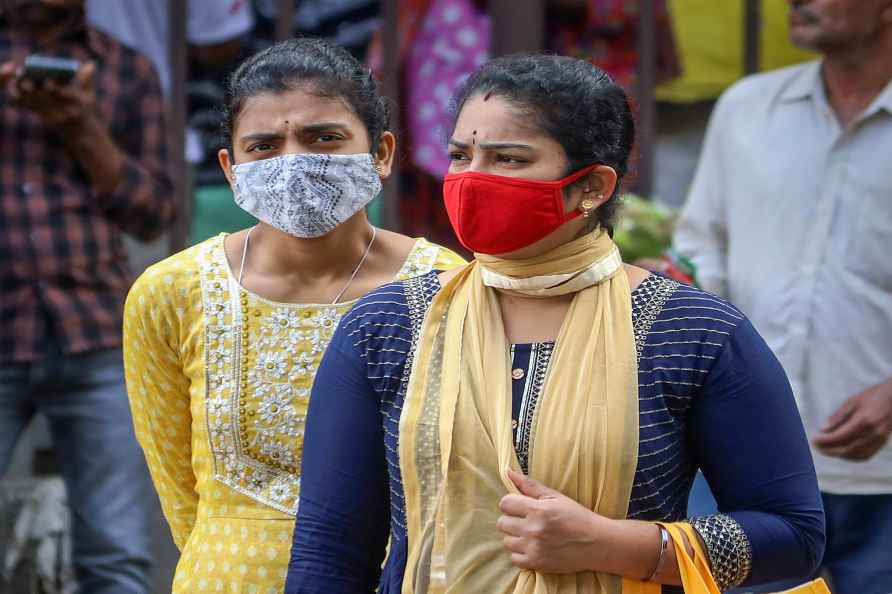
452, 42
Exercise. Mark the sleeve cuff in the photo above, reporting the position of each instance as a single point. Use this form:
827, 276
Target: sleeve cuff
729, 549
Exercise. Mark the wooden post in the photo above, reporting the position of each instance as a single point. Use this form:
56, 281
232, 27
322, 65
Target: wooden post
752, 36
284, 19
390, 72
517, 26
647, 74
176, 121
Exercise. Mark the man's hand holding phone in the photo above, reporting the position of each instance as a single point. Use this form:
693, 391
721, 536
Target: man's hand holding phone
58, 91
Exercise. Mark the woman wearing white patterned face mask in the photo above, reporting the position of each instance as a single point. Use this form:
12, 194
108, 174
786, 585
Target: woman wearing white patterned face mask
222, 341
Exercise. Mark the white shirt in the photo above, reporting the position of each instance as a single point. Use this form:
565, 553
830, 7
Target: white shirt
790, 217
142, 25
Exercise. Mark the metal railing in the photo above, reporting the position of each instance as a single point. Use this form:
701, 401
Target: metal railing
178, 53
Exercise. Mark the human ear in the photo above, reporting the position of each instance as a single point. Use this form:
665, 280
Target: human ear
224, 157
385, 153
594, 189
604, 181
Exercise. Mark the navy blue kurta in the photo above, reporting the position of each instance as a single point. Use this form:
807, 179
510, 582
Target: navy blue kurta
711, 396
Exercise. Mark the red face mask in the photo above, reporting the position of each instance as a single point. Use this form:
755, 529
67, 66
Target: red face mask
496, 214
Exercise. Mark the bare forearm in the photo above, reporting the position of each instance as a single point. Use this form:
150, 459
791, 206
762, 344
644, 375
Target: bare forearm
89, 143
632, 549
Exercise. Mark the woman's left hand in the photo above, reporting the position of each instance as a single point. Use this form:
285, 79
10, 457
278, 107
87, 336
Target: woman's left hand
549, 532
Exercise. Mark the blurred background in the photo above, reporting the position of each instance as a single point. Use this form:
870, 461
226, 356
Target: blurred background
674, 57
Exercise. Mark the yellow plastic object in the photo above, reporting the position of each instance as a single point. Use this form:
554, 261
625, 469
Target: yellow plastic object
709, 37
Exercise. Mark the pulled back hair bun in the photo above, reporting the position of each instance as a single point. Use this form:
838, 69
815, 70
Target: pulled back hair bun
571, 100
329, 71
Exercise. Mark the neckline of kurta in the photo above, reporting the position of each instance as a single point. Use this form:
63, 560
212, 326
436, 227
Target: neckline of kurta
220, 254
644, 285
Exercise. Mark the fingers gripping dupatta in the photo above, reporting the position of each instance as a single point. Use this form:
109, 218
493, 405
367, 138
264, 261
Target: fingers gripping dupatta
455, 429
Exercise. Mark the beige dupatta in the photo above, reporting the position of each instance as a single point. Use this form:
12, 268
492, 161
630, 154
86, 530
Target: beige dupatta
456, 436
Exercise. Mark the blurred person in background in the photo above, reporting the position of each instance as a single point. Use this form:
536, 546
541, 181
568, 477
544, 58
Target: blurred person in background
214, 31
789, 217
218, 35
349, 23
82, 162
222, 341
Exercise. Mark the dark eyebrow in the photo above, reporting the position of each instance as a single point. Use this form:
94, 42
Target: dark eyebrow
260, 136
504, 145
489, 146
323, 126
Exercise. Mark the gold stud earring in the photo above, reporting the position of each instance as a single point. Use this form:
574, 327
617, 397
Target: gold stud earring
586, 206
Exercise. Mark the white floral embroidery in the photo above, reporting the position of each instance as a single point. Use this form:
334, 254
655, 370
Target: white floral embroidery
304, 365
278, 452
276, 405
282, 492
328, 319
272, 363
260, 360
284, 319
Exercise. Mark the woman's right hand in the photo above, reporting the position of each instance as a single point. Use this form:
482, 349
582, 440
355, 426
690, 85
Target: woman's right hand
547, 531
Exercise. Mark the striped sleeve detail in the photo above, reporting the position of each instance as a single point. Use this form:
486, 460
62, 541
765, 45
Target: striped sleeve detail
680, 331
383, 327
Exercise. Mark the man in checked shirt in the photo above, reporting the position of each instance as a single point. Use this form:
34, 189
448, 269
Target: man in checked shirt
80, 163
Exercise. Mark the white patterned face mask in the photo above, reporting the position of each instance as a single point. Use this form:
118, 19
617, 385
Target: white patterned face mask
306, 195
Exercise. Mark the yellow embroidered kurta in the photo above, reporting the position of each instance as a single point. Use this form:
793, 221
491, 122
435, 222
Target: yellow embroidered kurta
219, 380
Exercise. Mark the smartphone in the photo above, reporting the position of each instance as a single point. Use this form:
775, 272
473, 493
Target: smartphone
42, 68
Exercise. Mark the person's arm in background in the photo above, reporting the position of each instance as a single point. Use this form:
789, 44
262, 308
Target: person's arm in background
143, 203
700, 233
158, 391
343, 519
860, 427
127, 164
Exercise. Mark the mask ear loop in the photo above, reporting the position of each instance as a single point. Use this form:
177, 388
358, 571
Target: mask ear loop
585, 206
576, 176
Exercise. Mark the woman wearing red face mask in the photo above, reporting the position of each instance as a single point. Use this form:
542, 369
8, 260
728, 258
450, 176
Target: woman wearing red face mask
532, 422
